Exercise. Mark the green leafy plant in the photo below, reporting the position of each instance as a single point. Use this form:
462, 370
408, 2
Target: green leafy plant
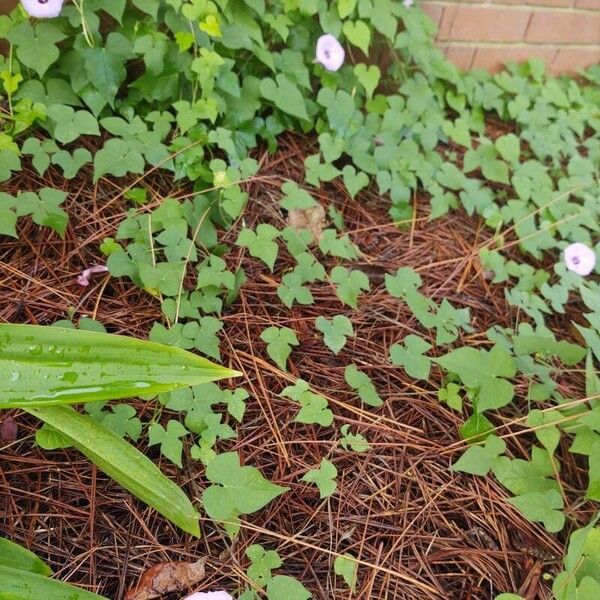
314, 408
190, 88
260, 571
279, 344
16, 557
323, 478
362, 383
74, 366
354, 441
236, 490
346, 567
261, 243
335, 331
24, 576
580, 565
487, 372
349, 284
412, 357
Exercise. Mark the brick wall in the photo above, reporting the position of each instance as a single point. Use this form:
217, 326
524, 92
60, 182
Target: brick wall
487, 33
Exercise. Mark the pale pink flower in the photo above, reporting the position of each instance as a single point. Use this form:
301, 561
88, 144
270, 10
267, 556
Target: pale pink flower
84, 278
209, 596
43, 9
580, 259
330, 52
408, 3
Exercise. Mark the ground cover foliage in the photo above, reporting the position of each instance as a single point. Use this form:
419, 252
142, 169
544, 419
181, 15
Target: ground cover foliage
143, 134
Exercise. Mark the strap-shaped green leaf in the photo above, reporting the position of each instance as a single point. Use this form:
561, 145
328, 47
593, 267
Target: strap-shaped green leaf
124, 463
16, 584
15, 556
44, 366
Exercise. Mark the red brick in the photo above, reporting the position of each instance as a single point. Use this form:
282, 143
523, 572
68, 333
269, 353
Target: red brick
461, 56
570, 60
564, 28
488, 24
493, 59
446, 21
551, 2
589, 4
433, 11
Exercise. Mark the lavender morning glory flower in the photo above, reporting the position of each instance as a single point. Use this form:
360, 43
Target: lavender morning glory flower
408, 3
330, 52
580, 259
43, 9
84, 278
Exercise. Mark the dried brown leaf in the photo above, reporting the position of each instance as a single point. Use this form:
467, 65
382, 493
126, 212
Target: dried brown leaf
164, 578
312, 218
9, 430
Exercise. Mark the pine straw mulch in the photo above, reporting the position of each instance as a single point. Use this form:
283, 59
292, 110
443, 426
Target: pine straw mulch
420, 530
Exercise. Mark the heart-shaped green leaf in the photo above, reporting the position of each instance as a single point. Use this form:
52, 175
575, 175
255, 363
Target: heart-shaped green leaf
346, 7
285, 94
368, 77
70, 124
44, 366
330, 147
495, 170
456, 101
71, 163
509, 147
236, 489
458, 132
358, 34
354, 181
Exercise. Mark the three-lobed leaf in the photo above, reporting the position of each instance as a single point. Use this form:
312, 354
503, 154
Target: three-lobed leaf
236, 489
291, 290
261, 243
262, 563
412, 357
485, 370
350, 284
335, 331
545, 507
323, 477
279, 344
478, 460
314, 408
362, 383
169, 439
295, 198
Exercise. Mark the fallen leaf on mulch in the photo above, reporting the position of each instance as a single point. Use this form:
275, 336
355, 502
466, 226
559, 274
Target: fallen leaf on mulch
312, 218
167, 577
9, 431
